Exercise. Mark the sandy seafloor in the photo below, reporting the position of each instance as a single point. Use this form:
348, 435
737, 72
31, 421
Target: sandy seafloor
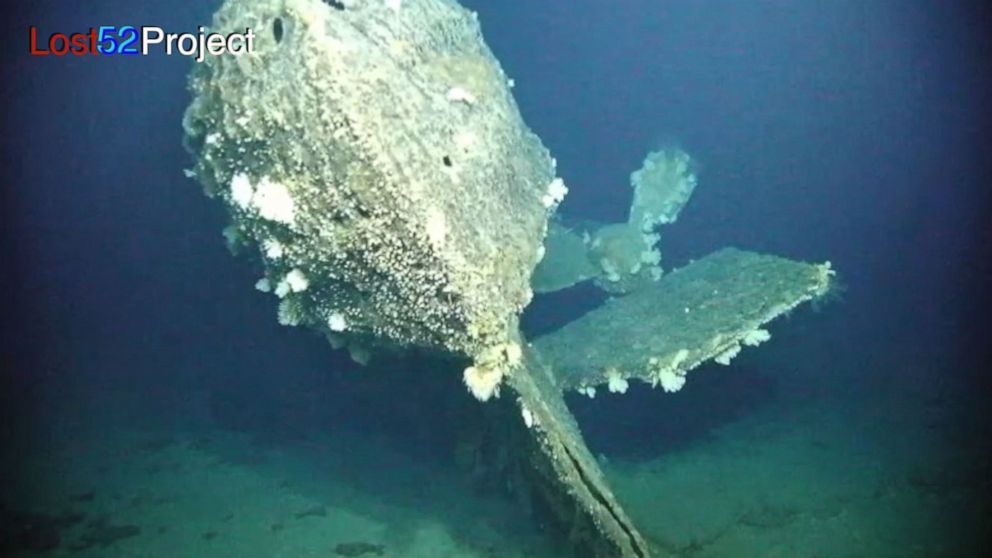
838, 471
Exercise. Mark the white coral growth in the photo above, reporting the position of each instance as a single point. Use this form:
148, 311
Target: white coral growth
726, 356
271, 199
555, 194
336, 322
483, 382
588, 391
484, 377
274, 202
273, 248
290, 313
297, 281
241, 190
671, 380
670, 375
756, 337
530, 419
294, 282
615, 382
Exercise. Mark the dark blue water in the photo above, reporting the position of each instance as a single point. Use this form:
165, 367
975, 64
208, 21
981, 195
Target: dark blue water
137, 360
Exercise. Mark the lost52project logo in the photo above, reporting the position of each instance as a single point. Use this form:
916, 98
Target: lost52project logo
127, 40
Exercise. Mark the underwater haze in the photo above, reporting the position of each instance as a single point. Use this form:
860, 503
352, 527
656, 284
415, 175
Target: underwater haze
152, 405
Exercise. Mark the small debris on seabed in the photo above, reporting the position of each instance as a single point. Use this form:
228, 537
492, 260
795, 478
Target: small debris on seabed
102, 534
312, 511
352, 549
81, 497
